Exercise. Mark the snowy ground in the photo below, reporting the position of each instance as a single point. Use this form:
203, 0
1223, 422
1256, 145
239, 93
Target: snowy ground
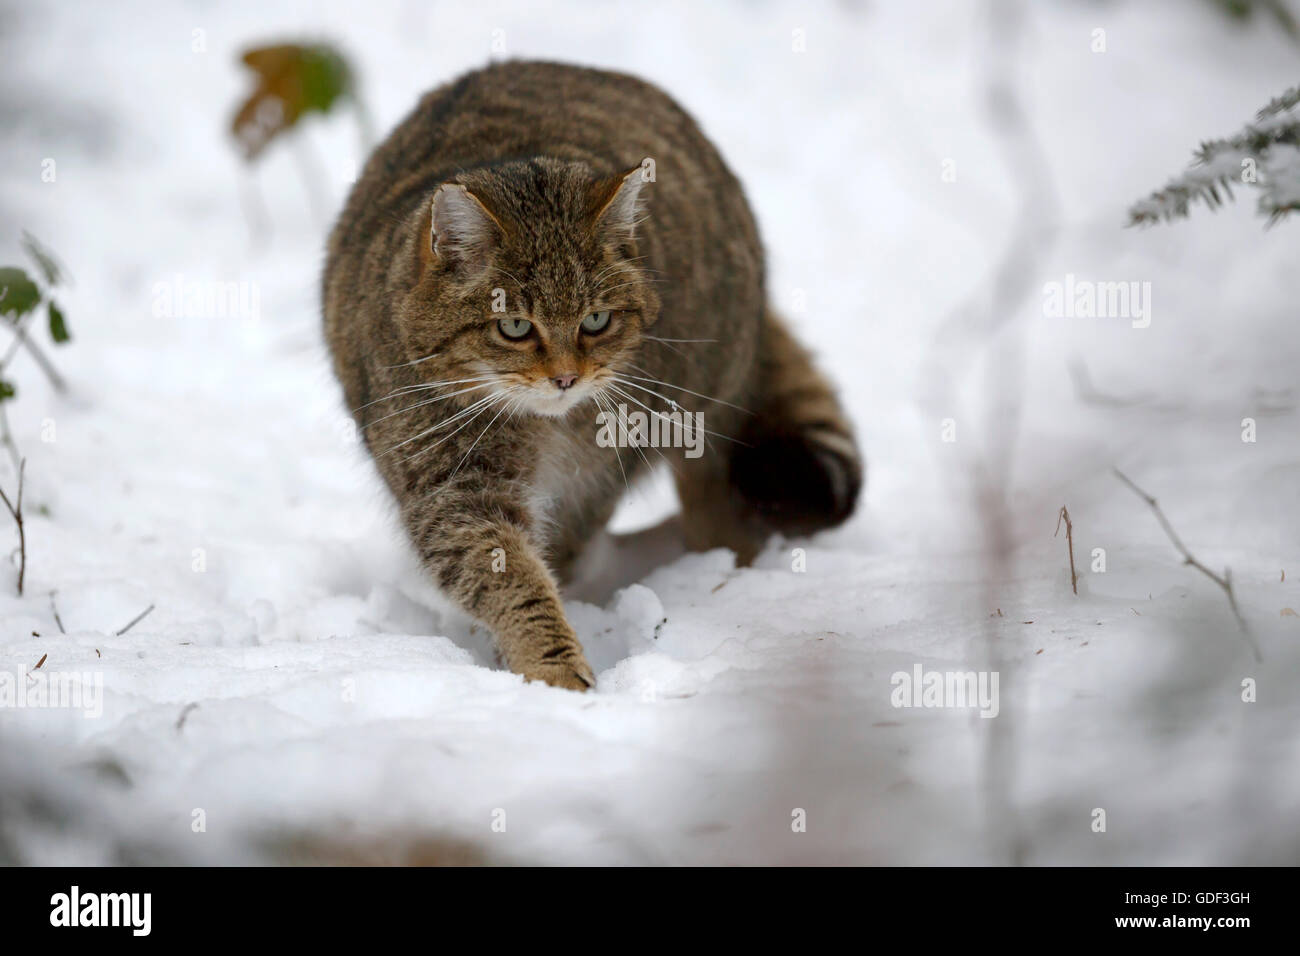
302, 691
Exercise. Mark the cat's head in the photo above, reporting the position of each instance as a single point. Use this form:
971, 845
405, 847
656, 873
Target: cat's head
531, 283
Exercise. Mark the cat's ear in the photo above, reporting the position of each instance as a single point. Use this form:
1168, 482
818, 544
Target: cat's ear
618, 203
462, 232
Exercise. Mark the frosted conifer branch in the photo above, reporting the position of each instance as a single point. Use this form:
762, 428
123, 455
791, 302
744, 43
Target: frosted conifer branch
1265, 154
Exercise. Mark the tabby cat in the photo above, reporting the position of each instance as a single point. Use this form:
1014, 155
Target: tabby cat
534, 246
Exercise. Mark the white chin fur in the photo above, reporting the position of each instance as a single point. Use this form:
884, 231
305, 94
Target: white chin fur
550, 402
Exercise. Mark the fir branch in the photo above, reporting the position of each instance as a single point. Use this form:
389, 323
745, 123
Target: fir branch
1266, 147
1281, 186
1280, 103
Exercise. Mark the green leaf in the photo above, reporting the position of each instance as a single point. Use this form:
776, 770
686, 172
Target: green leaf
43, 258
7, 390
325, 77
58, 327
18, 294
291, 80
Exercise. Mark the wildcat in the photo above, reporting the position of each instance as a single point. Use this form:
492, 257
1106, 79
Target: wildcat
533, 246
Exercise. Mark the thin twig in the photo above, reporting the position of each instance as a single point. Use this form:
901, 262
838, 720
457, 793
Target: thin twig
1222, 580
15, 344
185, 713
1069, 540
135, 620
22, 338
310, 173
17, 513
7, 437
55, 609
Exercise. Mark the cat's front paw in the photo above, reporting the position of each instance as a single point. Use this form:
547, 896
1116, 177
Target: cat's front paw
569, 675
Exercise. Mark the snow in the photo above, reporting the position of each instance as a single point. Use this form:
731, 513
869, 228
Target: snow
300, 682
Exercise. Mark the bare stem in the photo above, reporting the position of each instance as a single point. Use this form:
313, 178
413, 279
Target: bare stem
37, 353
135, 620
55, 609
17, 512
7, 436
1222, 580
1069, 540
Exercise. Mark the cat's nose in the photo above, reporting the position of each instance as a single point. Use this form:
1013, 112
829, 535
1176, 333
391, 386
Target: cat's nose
564, 381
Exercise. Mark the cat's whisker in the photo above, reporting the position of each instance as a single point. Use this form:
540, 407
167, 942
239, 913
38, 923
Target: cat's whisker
429, 401
482, 407
676, 405
509, 275
478, 405
603, 402
632, 398
635, 447
668, 343
595, 280
420, 386
605, 293
412, 362
407, 389
481, 434
657, 381
515, 405
672, 348
639, 271
467, 410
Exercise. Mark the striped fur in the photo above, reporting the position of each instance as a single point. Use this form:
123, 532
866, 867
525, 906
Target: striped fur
523, 187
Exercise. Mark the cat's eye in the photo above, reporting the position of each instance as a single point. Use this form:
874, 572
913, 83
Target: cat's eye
514, 328
596, 322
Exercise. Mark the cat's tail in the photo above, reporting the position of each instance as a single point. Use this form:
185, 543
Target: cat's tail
798, 465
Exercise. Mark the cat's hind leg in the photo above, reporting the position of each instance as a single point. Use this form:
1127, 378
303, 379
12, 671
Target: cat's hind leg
794, 467
797, 464
613, 561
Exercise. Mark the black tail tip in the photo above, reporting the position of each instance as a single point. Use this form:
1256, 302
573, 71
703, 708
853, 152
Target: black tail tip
797, 484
